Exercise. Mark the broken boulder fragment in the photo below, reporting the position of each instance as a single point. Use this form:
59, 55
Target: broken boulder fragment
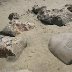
61, 47
13, 16
11, 47
16, 27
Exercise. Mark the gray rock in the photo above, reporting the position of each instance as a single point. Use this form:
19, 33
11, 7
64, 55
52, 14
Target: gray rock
59, 17
36, 8
13, 16
11, 47
16, 27
61, 47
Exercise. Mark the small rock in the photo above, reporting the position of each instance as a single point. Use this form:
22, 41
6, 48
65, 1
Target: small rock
61, 47
26, 70
36, 8
16, 27
13, 16
69, 8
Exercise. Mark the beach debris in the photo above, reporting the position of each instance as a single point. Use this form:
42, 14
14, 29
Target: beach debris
13, 16
59, 17
61, 46
16, 27
11, 47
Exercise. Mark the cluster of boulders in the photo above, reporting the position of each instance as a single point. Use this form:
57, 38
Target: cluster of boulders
57, 17
61, 44
15, 26
11, 45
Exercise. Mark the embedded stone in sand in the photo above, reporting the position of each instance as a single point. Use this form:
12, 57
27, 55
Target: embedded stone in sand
61, 47
11, 47
59, 17
16, 27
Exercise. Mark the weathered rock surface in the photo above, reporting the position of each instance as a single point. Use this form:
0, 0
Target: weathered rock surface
57, 17
61, 46
13, 16
5, 44
16, 27
11, 47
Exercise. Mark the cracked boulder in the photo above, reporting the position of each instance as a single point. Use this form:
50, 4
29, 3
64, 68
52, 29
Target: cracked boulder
11, 47
61, 47
16, 27
59, 17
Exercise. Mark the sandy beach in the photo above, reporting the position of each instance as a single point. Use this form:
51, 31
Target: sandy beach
36, 57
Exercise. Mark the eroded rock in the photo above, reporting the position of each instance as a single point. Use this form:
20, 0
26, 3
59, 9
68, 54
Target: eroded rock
59, 17
11, 47
5, 44
16, 27
61, 47
36, 8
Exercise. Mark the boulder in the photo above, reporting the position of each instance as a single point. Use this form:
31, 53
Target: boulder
69, 7
16, 27
11, 47
59, 17
61, 47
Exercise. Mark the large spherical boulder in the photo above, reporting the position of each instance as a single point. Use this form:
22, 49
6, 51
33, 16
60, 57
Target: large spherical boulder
36, 8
